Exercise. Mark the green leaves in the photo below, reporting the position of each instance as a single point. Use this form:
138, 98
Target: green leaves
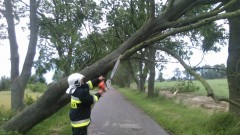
63, 30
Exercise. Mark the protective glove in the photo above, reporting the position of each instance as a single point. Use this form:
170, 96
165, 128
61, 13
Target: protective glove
102, 86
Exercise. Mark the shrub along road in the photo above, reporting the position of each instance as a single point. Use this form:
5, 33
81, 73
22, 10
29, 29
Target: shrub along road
113, 115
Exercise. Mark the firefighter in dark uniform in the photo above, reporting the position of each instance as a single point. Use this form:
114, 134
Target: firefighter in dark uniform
82, 101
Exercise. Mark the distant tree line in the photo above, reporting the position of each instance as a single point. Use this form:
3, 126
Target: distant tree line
217, 71
212, 72
34, 79
5, 83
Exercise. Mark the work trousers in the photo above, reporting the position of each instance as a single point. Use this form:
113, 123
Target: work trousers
79, 131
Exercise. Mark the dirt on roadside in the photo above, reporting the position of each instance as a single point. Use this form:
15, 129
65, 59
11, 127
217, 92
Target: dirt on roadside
197, 101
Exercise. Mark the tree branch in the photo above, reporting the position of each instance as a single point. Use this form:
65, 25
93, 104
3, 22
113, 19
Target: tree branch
230, 101
151, 9
181, 22
179, 30
169, 6
192, 72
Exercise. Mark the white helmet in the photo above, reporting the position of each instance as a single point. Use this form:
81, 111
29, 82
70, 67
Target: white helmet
74, 81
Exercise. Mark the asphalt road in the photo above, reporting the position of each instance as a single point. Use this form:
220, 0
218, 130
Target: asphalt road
113, 115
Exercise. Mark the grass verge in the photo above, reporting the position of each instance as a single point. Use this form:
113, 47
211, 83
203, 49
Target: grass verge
179, 119
58, 124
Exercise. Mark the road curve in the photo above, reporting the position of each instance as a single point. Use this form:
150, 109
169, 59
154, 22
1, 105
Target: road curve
113, 115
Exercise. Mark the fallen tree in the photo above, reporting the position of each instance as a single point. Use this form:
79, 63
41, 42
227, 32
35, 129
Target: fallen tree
55, 98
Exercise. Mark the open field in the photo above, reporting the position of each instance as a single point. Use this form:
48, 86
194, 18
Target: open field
219, 86
5, 98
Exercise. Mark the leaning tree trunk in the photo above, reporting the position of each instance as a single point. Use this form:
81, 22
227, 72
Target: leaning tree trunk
54, 98
233, 61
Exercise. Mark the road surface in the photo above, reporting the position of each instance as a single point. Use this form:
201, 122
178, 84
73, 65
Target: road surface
113, 115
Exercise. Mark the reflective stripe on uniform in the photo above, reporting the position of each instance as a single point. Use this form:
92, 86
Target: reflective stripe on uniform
80, 123
74, 102
95, 98
90, 84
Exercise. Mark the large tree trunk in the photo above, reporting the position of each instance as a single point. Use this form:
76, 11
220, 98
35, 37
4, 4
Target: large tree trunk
16, 95
143, 71
151, 67
132, 73
54, 98
18, 83
233, 61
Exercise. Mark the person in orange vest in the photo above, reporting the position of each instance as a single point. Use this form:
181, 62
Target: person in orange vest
82, 101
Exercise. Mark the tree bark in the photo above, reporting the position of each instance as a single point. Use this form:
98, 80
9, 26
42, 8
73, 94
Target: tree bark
143, 72
151, 67
233, 61
132, 73
16, 96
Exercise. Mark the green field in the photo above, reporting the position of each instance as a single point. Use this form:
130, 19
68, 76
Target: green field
219, 86
5, 101
5, 98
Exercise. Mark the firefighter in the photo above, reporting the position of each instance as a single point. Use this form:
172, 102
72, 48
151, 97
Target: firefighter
82, 101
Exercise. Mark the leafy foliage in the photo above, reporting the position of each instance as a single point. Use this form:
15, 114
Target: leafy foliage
37, 78
28, 100
37, 87
4, 116
62, 27
185, 86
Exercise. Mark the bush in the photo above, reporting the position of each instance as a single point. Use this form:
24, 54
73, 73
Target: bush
5, 83
4, 115
37, 87
28, 100
185, 86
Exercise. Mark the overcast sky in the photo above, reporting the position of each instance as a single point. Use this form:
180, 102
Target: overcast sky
211, 58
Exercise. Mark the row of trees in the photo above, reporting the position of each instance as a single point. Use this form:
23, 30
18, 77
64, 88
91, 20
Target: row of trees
5, 82
217, 71
142, 32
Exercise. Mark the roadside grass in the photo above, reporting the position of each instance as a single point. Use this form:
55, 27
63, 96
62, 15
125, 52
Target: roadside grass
219, 86
57, 124
180, 119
